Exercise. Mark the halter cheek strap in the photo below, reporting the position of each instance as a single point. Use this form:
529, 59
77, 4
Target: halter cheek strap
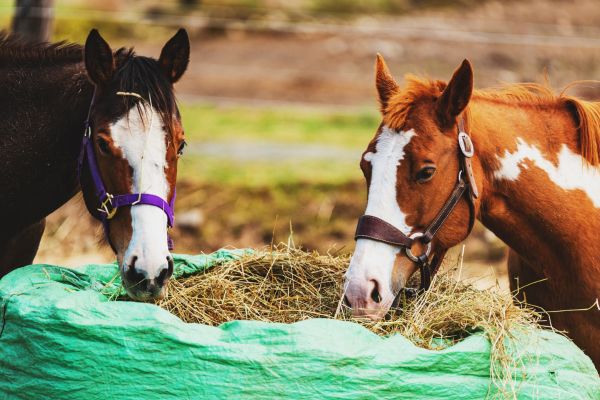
374, 228
109, 204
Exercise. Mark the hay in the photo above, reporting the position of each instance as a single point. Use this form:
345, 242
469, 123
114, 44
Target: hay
285, 284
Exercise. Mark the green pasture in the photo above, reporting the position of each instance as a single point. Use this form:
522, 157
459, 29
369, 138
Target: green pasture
258, 174
346, 129
291, 129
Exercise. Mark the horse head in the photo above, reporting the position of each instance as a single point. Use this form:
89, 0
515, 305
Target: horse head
132, 143
420, 202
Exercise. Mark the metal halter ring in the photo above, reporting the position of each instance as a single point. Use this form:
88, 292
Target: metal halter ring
107, 208
410, 254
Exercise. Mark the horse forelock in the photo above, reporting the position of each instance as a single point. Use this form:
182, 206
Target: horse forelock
143, 76
401, 103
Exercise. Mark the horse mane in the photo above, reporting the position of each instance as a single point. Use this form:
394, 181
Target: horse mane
588, 117
15, 49
586, 113
137, 74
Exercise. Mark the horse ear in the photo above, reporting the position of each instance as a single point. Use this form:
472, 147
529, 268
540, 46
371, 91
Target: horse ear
175, 56
457, 94
98, 56
384, 81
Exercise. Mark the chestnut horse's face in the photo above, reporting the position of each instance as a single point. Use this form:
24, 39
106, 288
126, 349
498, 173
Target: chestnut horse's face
137, 135
411, 167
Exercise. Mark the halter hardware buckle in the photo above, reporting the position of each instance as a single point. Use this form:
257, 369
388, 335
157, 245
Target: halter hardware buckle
104, 207
466, 145
423, 257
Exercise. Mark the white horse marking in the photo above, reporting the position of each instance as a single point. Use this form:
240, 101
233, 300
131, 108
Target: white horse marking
382, 201
572, 172
141, 139
371, 259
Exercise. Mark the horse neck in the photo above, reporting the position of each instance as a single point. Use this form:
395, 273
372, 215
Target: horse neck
41, 128
539, 195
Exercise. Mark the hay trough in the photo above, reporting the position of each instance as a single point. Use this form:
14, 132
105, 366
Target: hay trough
63, 335
288, 285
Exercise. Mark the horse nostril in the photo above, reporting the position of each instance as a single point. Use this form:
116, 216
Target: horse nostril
165, 273
162, 277
346, 302
133, 276
375, 296
132, 264
171, 264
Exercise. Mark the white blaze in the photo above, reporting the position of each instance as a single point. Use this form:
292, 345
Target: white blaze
371, 259
141, 138
571, 173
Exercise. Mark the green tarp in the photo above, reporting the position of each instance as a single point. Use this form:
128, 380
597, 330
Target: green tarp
62, 337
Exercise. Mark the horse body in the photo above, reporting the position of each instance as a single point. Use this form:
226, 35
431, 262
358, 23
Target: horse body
542, 198
44, 95
536, 165
105, 122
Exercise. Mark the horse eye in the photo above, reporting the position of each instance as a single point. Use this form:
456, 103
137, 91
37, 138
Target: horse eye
425, 174
103, 145
181, 147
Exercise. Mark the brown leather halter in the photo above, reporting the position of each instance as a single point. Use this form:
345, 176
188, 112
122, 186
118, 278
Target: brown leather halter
373, 228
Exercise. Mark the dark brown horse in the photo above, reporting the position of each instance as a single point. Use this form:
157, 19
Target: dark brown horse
114, 115
531, 175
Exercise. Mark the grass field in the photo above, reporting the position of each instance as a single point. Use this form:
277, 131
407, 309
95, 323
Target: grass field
301, 140
210, 123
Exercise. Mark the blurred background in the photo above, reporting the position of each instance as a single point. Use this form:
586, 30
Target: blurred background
278, 102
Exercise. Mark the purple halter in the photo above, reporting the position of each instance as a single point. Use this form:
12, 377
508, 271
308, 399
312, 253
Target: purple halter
109, 203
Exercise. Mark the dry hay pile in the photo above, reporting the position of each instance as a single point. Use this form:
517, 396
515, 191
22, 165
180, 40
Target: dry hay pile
287, 285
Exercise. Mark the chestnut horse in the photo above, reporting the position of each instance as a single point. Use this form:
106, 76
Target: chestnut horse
111, 118
531, 174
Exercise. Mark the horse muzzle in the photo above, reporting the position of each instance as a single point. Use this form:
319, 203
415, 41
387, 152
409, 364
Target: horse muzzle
143, 285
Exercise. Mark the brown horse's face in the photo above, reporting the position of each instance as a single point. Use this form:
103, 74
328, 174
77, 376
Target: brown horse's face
138, 138
411, 167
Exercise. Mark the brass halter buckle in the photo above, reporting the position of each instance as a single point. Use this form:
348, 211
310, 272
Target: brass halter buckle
107, 208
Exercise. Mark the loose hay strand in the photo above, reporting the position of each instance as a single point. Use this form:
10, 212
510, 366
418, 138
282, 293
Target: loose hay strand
285, 284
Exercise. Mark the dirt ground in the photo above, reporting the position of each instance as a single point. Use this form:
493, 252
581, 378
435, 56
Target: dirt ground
331, 62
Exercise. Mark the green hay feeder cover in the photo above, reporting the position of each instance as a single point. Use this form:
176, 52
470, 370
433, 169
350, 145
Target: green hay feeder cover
61, 337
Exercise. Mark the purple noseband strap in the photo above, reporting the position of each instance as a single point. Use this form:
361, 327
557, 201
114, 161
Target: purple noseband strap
122, 200
109, 203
